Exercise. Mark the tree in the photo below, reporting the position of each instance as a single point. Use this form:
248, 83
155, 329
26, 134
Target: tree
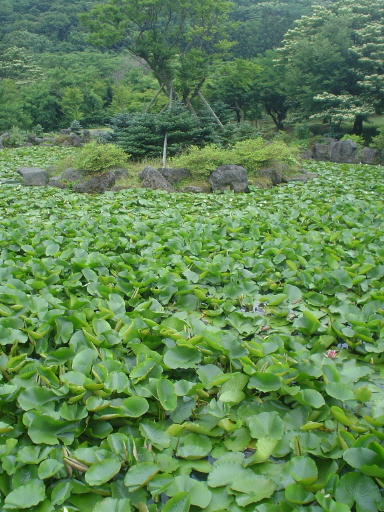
263, 24
339, 51
177, 39
17, 65
71, 103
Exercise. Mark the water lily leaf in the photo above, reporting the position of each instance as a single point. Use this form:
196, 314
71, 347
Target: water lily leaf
116, 381
113, 505
166, 393
156, 434
310, 397
135, 406
139, 475
61, 492
194, 446
179, 503
46, 430
25, 496
343, 278
102, 471
296, 493
182, 357
266, 424
329, 505
224, 473
49, 467
255, 488
308, 323
359, 489
340, 391
303, 470
231, 390
264, 382
198, 492
36, 397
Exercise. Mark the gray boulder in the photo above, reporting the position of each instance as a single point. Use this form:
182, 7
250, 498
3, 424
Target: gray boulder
275, 175
86, 134
72, 175
153, 179
97, 185
308, 155
174, 175
33, 176
229, 176
75, 140
320, 151
56, 182
344, 151
369, 156
120, 173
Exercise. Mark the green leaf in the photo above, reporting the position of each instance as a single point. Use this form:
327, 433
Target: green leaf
179, 503
308, 323
359, 489
166, 393
231, 390
264, 382
102, 471
113, 505
135, 406
226, 472
198, 492
25, 496
296, 493
182, 357
266, 424
340, 391
139, 475
155, 434
194, 446
310, 397
343, 278
303, 470
49, 468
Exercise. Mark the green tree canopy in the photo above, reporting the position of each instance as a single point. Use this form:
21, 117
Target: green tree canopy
339, 51
177, 39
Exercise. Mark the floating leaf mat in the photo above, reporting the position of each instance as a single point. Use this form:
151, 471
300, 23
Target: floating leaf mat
186, 353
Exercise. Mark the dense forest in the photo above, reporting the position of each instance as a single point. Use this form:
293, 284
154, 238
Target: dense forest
89, 61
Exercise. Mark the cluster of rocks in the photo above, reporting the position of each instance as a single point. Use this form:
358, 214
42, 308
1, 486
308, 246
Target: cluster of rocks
225, 177
66, 137
345, 151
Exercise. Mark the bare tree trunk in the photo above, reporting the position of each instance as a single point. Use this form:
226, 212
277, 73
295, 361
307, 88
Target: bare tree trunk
210, 109
154, 98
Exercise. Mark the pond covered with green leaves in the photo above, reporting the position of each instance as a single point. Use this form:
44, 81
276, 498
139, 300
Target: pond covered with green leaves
194, 352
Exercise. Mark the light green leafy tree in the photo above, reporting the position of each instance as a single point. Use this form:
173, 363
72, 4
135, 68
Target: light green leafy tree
338, 50
179, 40
71, 103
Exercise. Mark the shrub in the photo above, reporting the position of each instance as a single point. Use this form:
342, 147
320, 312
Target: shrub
378, 141
16, 137
252, 154
354, 138
302, 131
94, 157
201, 161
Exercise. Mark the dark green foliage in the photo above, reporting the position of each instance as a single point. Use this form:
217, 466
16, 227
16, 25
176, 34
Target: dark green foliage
44, 26
142, 135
